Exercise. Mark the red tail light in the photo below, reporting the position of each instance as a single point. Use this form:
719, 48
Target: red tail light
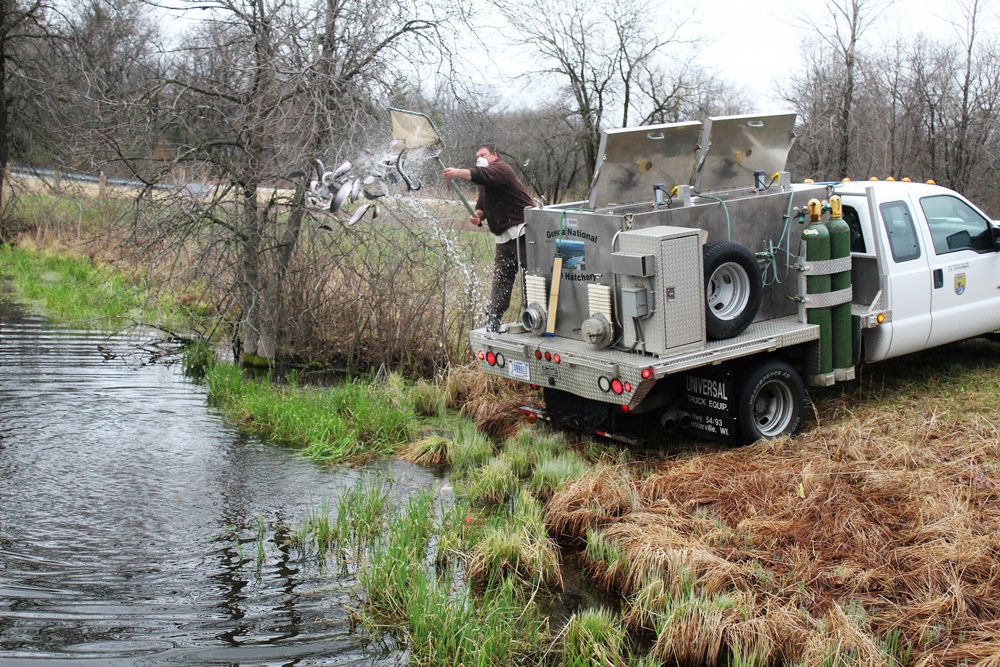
491, 359
616, 386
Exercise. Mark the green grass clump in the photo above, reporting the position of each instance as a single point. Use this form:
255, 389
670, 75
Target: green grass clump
517, 546
197, 358
593, 637
492, 484
428, 399
395, 568
470, 449
404, 587
553, 474
606, 555
350, 421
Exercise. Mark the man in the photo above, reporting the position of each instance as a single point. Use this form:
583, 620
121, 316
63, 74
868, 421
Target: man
502, 200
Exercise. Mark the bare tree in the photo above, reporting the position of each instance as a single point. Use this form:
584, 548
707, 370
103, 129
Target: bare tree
845, 25
20, 24
972, 126
260, 88
606, 56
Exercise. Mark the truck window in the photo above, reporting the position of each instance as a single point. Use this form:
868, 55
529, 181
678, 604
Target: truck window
852, 220
955, 225
899, 227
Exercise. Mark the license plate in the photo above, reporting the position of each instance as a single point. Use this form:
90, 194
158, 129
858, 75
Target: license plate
519, 370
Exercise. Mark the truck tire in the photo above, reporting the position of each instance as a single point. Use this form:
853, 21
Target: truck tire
733, 289
770, 401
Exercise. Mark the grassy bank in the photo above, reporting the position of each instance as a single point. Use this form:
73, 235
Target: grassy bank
353, 420
72, 290
869, 539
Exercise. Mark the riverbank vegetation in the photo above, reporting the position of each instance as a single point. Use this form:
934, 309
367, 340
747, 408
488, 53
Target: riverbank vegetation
869, 539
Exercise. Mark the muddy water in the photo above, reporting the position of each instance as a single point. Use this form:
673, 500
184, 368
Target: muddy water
131, 517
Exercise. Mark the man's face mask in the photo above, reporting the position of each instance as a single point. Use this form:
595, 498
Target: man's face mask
482, 162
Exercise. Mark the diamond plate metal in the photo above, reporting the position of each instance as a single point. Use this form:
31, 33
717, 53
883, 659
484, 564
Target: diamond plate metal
677, 318
581, 366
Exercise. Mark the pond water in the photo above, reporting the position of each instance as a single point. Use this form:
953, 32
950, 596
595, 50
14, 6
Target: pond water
131, 516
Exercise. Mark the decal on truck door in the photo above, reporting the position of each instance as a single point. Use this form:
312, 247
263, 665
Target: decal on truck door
959, 283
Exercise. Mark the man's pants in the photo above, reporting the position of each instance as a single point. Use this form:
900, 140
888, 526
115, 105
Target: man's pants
504, 271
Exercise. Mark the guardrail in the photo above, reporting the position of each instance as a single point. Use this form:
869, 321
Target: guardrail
58, 177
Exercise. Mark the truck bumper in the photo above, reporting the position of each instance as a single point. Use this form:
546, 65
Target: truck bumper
614, 376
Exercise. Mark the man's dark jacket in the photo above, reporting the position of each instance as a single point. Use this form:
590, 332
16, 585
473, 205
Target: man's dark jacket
502, 196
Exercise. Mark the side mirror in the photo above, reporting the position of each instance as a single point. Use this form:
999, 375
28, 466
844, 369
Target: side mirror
995, 233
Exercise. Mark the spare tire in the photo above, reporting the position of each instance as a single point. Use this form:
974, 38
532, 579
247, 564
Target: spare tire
733, 289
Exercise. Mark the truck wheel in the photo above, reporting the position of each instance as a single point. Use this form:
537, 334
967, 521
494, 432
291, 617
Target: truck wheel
733, 289
770, 401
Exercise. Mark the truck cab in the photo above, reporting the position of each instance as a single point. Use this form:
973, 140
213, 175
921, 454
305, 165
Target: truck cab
930, 256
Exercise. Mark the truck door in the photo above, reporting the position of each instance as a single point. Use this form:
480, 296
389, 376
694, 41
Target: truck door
965, 269
909, 281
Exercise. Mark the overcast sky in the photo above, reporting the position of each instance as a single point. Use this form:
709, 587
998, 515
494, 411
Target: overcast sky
756, 43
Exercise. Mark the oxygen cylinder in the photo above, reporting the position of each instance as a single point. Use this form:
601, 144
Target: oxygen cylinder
840, 315
817, 238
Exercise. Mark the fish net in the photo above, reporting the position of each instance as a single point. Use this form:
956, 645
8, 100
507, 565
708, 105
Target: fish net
412, 130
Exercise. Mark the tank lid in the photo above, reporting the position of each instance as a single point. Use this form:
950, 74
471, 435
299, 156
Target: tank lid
632, 160
734, 147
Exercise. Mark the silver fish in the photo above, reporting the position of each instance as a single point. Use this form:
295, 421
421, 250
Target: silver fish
340, 197
360, 213
342, 169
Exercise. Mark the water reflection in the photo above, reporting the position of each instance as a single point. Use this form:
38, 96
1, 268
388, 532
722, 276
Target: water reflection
131, 518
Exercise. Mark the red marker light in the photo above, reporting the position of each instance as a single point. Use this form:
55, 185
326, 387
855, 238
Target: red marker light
626, 408
548, 356
628, 386
616, 386
480, 355
647, 373
556, 358
538, 354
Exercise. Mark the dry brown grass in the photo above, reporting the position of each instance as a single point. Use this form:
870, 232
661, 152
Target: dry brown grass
880, 523
490, 401
429, 451
599, 497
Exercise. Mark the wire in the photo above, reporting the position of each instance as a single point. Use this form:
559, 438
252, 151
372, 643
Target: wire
729, 231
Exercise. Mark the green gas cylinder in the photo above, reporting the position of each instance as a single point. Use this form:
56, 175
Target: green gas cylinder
840, 315
817, 238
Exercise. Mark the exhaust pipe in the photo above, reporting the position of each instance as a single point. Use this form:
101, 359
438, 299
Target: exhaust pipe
674, 418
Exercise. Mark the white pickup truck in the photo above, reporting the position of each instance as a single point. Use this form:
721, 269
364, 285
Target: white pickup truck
696, 287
